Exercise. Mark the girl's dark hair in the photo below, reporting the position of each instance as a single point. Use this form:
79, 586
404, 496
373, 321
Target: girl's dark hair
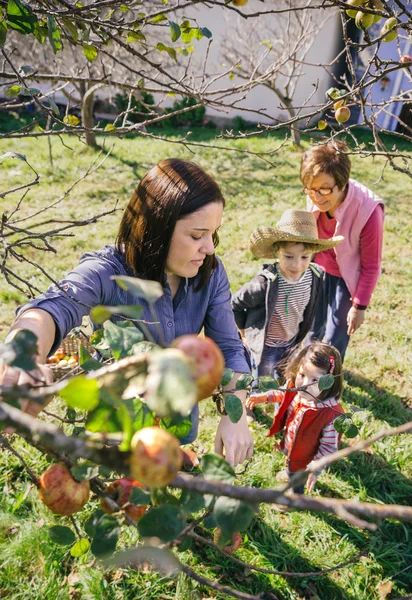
319, 355
170, 191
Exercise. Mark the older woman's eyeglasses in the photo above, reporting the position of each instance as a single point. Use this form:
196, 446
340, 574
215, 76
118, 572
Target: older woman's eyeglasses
320, 191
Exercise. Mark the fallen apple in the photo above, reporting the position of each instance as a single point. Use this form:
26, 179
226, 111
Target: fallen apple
234, 544
155, 456
120, 491
60, 492
342, 114
207, 360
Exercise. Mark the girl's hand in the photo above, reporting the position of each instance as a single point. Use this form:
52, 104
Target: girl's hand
40, 378
310, 484
355, 319
255, 399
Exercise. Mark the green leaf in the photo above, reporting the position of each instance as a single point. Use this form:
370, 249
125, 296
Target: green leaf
86, 361
106, 535
214, 467
141, 288
21, 17
139, 497
71, 120
142, 415
90, 52
30, 91
81, 547
81, 393
103, 419
171, 51
206, 32
188, 33
158, 19
341, 423
85, 471
121, 339
192, 502
165, 522
126, 423
135, 36
350, 430
54, 34
50, 103
227, 377
100, 313
20, 352
174, 31
170, 383
71, 28
232, 515
13, 91
110, 127
233, 407
177, 425
3, 32
326, 382
266, 383
244, 381
61, 535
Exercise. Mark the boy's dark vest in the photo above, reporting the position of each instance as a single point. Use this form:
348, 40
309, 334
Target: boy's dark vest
306, 442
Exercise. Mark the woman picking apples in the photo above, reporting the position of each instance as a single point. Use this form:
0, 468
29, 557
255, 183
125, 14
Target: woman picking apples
342, 206
168, 234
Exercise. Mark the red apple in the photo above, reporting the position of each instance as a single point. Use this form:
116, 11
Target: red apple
155, 456
234, 544
120, 491
61, 493
342, 114
405, 59
207, 360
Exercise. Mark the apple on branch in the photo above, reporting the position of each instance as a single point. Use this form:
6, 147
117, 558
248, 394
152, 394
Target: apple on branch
207, 360
155, 456
120, 491
60, 492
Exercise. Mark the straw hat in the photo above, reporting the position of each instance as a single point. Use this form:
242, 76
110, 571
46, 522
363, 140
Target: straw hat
296, 226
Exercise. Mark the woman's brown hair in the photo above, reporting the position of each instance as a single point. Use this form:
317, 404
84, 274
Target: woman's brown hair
324, 357
330, 158
170, 191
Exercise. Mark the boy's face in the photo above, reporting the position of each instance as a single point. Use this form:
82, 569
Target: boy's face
294, 259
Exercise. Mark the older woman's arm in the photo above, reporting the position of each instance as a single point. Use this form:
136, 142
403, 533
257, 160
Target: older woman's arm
371, 239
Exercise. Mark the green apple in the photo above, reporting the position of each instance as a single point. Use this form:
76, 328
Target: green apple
342, 114
363, 20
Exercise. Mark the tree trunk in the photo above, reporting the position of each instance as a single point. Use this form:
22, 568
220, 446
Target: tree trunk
87, 113
294, 129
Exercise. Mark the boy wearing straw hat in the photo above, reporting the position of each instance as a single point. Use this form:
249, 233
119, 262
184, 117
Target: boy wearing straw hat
274, 311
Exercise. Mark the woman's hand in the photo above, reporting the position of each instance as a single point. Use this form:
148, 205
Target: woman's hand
255, 399
355, 319
39, 378
310, 484
234, 440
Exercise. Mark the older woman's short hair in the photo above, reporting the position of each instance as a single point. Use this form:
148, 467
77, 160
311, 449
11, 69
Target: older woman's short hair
330, 158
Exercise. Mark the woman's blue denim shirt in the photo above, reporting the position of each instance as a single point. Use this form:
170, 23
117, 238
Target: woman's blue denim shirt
89, 285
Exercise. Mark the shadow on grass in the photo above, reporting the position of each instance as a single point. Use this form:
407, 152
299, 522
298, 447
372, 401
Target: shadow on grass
367, 395
277, 555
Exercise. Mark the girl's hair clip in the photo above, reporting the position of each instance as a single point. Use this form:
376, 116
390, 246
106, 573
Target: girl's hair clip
331, 364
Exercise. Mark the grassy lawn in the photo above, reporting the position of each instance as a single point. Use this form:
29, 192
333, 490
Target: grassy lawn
378, 385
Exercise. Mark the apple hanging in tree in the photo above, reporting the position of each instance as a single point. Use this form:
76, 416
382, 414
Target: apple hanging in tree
61, 492
120, 491
342, 114
155, 456
207, 360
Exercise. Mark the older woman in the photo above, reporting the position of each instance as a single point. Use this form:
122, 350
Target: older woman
168, 234
343, 206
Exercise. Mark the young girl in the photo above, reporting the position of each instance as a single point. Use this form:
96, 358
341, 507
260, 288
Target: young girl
306, 416
275, 310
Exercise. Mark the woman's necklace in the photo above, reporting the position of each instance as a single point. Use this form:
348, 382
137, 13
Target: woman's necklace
287, 293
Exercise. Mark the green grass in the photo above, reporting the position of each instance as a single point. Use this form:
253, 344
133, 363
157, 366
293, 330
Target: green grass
377, 377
